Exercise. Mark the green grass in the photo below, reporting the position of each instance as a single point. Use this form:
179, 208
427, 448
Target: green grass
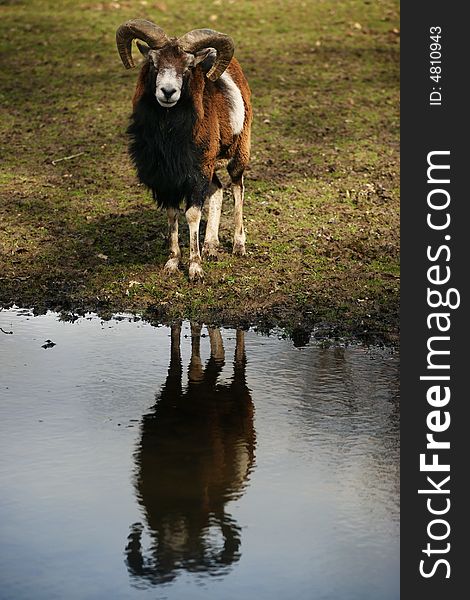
321, 213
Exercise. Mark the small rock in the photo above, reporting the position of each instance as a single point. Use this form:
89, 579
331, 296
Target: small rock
48, 344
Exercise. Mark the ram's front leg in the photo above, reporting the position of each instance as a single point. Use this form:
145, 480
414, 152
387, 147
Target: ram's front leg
172, 263
193, 216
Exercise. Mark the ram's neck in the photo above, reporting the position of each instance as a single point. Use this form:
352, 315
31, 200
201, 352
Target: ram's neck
196, 91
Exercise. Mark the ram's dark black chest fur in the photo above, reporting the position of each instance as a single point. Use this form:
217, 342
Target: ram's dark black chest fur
163, 151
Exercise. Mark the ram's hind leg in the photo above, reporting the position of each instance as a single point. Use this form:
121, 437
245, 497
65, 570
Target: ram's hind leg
172, 263
238, 190
236, 167
211, 240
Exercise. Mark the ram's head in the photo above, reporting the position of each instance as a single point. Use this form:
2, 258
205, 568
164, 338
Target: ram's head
171, 59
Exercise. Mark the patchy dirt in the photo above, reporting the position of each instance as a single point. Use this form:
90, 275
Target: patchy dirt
322, 207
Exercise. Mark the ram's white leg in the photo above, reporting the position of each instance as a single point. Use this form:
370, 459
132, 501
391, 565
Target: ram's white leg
238, 190
172, 263
211, 240
193, 216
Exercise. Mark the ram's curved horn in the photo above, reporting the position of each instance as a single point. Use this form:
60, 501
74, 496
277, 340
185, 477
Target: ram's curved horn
139, 29
196, 40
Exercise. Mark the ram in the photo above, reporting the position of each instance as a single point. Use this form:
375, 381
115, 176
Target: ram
191, 114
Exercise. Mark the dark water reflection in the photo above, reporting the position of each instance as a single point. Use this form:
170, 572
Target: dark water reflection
127, 464
195, 454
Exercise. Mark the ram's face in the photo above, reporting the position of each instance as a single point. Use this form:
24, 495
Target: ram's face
170, 67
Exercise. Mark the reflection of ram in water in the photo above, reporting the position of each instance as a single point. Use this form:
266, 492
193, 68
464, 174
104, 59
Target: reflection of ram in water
195, 455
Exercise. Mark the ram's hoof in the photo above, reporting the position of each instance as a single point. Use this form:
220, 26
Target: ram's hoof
210, 250
239, 249
195, 272
171, 266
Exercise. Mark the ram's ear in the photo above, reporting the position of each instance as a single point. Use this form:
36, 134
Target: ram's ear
207, 57
143, 48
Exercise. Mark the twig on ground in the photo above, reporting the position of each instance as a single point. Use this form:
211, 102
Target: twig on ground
54, 162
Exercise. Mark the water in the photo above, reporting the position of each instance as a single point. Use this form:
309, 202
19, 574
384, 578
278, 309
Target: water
136, 462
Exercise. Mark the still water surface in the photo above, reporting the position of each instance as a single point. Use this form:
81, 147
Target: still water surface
187, 464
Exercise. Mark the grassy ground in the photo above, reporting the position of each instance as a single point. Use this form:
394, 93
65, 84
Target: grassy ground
321, 211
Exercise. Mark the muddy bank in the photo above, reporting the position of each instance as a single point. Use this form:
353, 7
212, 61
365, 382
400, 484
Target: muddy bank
300, 324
